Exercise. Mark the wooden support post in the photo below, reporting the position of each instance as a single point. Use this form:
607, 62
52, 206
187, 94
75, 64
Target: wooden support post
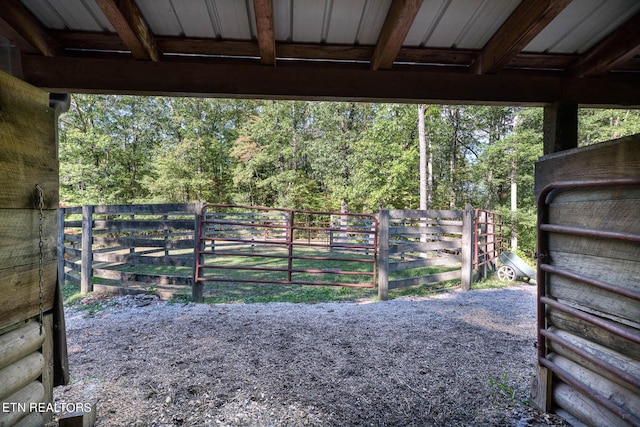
86, 285
541, 391
197, 288
560, 127
48, 369
466, 260
383, 255
59, 332
61, 246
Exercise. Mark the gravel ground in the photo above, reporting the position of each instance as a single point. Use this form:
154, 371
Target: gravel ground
408, 362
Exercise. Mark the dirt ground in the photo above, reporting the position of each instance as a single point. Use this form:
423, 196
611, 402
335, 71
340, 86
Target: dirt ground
449, 360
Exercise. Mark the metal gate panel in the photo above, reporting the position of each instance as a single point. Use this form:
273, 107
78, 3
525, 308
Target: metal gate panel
488, 241
580, 339
251, 244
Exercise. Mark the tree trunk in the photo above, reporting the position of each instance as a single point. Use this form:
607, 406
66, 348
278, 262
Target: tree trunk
454, 116
489, 201
430, 176
423, 157
514, 202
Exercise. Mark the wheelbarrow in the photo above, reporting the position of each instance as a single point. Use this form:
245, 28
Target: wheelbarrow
513, 267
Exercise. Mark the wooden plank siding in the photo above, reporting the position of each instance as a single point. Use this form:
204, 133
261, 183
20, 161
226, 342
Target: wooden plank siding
28, 157
589, 306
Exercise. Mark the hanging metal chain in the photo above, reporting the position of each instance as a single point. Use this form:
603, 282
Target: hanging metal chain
41, 254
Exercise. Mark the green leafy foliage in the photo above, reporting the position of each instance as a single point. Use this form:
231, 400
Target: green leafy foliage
501, 389
325, 156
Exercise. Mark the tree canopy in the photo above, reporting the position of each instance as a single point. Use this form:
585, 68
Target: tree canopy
307, 155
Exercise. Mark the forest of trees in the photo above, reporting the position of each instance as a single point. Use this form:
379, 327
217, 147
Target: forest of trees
308, 155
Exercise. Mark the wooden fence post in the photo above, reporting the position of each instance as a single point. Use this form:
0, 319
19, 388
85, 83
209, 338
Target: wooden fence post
466, 273
61, 246
383, 255
86, 274
197, 288
165, 235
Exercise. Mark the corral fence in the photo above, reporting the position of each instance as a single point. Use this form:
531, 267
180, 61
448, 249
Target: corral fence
411, 240
170, 247
250, 244
123, 248
488, 242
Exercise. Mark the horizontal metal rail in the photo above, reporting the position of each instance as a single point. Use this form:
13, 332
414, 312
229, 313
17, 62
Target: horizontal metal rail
221, 237
629, 293
285, 282
293, 270
286, 242
590, 392
590, 232
611, 369
317, 258
485, 228
363, 230
545, 228
594, 320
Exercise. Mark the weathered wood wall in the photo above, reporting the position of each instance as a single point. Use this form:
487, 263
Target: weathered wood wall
28, 157
589, 284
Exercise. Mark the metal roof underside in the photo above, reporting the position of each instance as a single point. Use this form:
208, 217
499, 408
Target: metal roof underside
486, 51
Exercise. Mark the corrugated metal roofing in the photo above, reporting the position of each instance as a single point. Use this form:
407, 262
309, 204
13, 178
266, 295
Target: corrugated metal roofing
458, 23
582, 24
569, 37
78, 15
464, 24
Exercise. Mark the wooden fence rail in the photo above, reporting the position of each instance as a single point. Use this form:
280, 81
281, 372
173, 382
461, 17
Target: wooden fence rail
100, 243
413, 239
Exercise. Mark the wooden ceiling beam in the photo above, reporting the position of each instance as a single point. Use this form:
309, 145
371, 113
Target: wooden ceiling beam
394, 30
24, 29
126, 18
524, 24
91, 43
612, 52
266, 33
353, 82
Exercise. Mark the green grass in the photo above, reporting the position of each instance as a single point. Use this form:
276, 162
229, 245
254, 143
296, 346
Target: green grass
71, 294
491, 282
252, 292
72, 297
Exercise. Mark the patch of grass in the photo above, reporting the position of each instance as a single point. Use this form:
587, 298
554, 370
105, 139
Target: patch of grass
232, 291
491, 282
216, 293
71, 294
502, 389
428, 289
72, 297
155, 269
416, 272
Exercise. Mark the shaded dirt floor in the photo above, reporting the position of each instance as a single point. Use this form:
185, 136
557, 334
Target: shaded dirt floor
455, 359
